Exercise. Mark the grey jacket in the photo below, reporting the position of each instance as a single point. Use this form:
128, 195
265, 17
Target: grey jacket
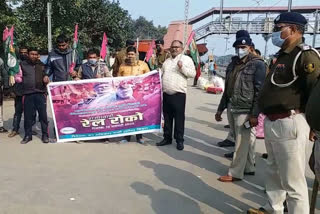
58, 64
4, 76
248, 83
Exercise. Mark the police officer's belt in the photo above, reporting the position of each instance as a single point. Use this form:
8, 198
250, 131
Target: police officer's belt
278, 116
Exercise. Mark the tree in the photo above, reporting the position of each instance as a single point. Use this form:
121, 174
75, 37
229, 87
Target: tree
7, 18
145, 29
93, 17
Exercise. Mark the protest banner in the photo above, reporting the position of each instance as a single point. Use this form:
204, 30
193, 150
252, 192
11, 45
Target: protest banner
106, 107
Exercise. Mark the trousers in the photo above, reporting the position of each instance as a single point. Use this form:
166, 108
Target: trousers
32, 103
1, 106
286, 141
174, 110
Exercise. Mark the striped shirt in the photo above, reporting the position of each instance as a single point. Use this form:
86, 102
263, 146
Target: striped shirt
174, 79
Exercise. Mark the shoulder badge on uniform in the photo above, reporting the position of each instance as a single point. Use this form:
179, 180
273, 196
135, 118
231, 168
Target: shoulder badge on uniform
309, 67
304, 47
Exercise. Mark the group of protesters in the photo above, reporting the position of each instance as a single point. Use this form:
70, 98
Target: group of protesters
30, 89
286, 92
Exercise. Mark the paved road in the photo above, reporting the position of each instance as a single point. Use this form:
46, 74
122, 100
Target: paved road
113, 178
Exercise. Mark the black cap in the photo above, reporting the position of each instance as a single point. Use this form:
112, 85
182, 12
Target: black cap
242, 33
129, 43
291, 18
243, 41
243, 38
159, 42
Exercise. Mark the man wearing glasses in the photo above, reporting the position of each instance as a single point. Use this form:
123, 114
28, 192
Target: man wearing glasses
175, 72
283, 99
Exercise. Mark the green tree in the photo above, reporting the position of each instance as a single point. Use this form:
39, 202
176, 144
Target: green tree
93, 17
145, 29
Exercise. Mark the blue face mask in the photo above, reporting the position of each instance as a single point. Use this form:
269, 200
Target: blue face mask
277, 40
92, 61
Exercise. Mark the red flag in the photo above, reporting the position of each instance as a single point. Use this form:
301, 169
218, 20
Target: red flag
190, 38
198, 74
150, 51
11, 35
103, 50
5, 34
74, 47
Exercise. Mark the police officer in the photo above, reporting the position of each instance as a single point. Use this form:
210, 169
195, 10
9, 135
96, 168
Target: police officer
283, 99
313, 115
161, 54
245, 76
120, 57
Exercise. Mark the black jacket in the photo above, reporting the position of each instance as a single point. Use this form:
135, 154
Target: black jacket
33, 74
58, 64
4, 77
247, 85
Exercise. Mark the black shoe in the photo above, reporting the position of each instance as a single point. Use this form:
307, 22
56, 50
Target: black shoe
180, 146
34, 133
45, 139
229, 155
164, 142
3, 130
26, 140
285, 209
226, 143
227, 126
265, 156
249, 173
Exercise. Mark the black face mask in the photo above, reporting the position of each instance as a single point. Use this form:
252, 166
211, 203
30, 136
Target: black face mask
158, 48
23, 57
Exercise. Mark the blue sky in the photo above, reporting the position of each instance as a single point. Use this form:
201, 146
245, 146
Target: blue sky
162, 12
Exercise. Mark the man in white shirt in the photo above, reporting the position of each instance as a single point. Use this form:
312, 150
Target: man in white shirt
175, 72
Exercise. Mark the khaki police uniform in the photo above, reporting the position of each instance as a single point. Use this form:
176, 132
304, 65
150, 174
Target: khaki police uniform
283, 100
313, 115
160, 58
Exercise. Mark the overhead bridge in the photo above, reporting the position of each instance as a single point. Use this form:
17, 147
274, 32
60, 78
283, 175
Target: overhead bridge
264, 26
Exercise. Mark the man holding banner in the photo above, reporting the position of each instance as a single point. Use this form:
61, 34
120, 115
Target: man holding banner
93, 68
176, 71
60, 60
131, 67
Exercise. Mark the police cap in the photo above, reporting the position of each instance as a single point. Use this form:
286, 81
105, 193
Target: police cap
242, 33
291, 18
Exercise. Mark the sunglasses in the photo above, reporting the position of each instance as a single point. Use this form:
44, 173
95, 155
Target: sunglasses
279, 28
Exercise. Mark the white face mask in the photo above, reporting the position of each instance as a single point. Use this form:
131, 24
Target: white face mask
242, 52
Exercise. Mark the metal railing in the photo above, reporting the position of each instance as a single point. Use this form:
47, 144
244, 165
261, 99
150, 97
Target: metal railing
254, 27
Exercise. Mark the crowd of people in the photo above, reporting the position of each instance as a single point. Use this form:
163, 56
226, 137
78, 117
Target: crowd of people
286, 93
29, 84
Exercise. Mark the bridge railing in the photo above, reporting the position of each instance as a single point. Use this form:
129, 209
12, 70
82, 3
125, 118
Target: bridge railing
255, 27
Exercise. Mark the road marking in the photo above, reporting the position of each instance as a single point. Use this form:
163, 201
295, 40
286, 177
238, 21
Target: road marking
207, 144
254, 185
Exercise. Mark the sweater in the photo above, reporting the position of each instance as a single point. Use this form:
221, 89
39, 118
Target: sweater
174, 79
